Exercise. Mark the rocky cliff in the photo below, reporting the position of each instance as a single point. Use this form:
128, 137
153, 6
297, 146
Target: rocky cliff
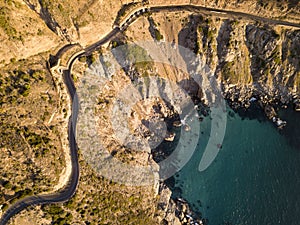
249, 58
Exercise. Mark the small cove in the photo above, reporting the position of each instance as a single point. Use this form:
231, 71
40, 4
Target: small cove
254, 180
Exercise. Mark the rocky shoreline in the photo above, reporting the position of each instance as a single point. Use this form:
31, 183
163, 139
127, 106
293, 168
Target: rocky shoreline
269, 105
177, 210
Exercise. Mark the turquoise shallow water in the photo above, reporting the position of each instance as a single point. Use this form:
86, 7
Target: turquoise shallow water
255, 179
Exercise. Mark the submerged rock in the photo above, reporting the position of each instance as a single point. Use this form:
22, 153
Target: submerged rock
279, 123
170, 137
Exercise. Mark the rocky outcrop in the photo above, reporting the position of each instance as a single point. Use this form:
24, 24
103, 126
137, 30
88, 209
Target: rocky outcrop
248, 58
176, 211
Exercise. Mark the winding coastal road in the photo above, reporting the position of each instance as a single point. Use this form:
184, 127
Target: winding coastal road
69, 190
222, 12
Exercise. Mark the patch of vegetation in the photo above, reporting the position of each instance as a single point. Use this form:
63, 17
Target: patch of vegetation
114, 44
139, 57
228, 73
60, 8
82, 23
210, 35
23, 134
197, 47
158, 35
58, 215
82, 59
5, 23
276, 56
154, 31
34, 139
136, 53
40, 32
206, 34
101, 201
18, 83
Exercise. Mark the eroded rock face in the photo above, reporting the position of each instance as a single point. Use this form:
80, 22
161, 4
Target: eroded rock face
247, 58
261, 41
176, 211
266, 8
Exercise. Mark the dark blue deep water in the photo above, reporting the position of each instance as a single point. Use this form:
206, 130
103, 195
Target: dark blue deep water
255, 179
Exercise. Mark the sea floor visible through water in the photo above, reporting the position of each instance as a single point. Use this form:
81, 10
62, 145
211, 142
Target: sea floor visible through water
255, 178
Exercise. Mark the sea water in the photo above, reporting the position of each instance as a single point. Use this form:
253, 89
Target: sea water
255, 178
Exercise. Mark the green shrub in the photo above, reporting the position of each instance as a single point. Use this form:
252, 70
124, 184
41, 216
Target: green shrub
13, 60
158, 35
55, 210
82, 59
